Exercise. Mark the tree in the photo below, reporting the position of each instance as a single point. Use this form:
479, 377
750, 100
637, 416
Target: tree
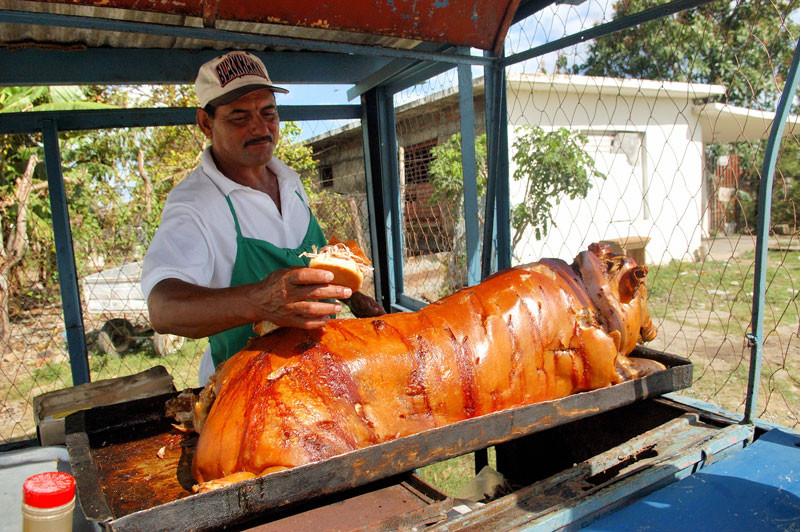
447, 179
24, 211
446, 170
747, 46
297, 155
14, 242
552, 165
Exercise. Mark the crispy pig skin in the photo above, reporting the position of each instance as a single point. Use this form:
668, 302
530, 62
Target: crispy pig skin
532, 333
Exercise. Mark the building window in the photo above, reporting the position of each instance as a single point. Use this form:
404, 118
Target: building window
326, 176
416, 160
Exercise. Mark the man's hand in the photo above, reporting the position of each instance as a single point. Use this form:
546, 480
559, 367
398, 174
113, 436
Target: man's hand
363, 306
285, 297
290, 297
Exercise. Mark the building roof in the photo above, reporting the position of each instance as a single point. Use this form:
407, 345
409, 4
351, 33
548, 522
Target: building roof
728, 123
720, 122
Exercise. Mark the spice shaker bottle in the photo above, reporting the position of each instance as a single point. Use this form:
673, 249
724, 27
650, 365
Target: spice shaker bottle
48, 500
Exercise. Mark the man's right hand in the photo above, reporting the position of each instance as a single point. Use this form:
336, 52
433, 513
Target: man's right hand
291, 297
285, 297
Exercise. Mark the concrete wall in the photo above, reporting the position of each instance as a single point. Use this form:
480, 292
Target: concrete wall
415, 125
644, 137
653, 193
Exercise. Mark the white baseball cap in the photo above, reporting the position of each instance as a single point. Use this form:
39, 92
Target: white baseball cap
229, 76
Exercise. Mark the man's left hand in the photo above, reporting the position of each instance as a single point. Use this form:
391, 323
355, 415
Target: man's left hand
363, 306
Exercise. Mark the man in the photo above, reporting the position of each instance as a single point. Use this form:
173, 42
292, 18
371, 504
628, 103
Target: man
226, 254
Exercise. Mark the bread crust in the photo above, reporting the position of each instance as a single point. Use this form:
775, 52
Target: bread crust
345, 272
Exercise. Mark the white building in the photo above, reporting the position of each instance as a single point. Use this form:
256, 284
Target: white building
647, 137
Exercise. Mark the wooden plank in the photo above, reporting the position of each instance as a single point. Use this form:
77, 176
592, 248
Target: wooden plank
148, 383
50, 409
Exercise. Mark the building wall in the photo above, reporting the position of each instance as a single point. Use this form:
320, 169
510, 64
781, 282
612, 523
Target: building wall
656, 195
345, 154
650, 148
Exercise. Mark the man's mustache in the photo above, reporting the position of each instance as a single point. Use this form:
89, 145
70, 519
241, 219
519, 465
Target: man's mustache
267, 138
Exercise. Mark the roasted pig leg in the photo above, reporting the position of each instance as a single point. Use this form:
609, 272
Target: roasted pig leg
528, 334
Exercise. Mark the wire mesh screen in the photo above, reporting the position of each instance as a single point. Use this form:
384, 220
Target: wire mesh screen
651, 139
115, 184
427, 117
673, 115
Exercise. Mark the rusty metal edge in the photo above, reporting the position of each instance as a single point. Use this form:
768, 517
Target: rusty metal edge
260, 496
581, 510
437, 505
91, 497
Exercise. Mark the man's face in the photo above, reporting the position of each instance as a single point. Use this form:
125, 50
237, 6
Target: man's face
244, 132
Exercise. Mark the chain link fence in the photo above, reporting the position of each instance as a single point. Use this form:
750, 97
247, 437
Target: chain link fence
655, 149
675, 114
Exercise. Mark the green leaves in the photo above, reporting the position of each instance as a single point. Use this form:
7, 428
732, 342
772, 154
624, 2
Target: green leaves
446, 172
295, 154
746, 46
56, 98
554, 166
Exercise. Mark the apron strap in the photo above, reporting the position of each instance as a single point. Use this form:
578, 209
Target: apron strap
235, 219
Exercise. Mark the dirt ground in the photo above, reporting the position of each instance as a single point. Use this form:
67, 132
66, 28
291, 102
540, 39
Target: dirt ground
721, 366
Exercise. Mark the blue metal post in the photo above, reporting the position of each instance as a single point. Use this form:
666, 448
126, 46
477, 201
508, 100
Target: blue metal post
762, 235
469, 172
497, 220
380, 163
496, 208
488, 259
65, 257
503, 198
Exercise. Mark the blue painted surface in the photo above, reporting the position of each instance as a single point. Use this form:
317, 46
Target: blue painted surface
758, 488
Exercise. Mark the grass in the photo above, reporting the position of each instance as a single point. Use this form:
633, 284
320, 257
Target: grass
711, 303
29, 381
449, 476
724, 289
182, 365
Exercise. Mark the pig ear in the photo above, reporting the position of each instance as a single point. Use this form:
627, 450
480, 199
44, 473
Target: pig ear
630, 282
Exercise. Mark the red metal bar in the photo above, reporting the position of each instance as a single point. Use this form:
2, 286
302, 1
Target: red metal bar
480, 24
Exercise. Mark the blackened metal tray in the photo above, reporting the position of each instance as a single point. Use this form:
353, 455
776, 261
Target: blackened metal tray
123, 484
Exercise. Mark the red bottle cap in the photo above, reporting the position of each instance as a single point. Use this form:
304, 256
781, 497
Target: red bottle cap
48, 490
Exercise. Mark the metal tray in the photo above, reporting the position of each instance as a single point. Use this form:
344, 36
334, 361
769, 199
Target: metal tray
122, 485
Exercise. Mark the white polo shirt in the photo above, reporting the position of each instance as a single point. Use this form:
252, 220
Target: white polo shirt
196, 240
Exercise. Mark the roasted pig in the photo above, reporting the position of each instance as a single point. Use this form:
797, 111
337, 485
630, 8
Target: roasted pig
528, 334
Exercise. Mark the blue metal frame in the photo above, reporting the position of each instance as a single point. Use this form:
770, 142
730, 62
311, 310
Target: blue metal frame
379, 73
111, 66
170, 116
65, 257
605, 29
401, 69
497, 222
378, 140
762, 234
469, 172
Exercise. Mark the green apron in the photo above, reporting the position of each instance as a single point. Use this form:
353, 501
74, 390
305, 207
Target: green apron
255, 259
